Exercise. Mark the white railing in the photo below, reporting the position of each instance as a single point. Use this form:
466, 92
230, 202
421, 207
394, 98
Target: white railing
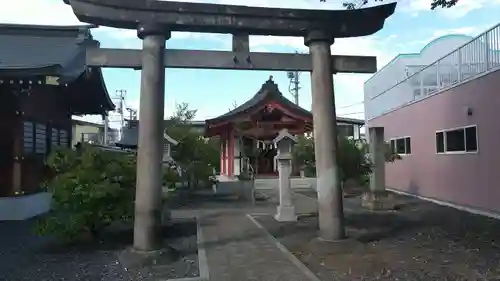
478, 56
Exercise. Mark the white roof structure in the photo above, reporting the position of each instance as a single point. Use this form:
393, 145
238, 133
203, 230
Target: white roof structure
170, 139
283, 134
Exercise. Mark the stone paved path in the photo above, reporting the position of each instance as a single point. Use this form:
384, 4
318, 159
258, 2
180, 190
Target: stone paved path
238, 250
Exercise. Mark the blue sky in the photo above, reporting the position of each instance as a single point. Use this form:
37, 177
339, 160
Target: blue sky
213, 92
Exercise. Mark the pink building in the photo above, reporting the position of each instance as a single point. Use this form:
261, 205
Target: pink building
442, 117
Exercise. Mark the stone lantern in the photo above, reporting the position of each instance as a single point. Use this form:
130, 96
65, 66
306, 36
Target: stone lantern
284, 143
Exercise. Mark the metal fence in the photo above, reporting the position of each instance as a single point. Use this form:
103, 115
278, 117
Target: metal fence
478, 56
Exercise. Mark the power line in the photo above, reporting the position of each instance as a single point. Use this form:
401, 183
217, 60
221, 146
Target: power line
352, 113
350, 105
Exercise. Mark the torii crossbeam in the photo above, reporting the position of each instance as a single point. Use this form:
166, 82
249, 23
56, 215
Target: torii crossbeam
155, 20
243, 60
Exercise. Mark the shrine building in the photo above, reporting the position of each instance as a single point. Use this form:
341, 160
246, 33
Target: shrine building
44, 80
247, 132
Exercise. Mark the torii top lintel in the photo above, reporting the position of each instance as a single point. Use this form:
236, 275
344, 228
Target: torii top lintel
218, 18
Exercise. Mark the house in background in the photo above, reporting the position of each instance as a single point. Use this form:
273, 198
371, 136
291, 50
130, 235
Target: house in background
43, 82
439, 110
131, 137
350, 127
84, 131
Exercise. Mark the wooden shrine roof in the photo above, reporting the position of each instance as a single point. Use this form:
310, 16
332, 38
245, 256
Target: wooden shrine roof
267, 93
270, 92
33, 51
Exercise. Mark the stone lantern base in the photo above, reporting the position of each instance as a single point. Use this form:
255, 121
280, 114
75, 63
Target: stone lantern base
378, 201
285, 213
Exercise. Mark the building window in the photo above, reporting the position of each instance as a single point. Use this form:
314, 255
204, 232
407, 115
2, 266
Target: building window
40, 139
457, 140
346, 130
63, 138
54, 138
408, 145
401, 145
28, 137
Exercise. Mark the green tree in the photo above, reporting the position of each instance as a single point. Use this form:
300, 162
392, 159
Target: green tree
91, 188
434, 4
303, 155
196, 155
183, 114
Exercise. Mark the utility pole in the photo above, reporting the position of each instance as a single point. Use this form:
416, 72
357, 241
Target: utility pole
106, 128
120, 94
294, 86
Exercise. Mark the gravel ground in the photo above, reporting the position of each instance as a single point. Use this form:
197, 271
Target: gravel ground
25, 256
420, 241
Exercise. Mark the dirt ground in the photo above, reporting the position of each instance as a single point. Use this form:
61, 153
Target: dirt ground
419, 241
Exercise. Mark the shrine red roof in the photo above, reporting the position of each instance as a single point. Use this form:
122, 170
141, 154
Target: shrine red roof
268, 93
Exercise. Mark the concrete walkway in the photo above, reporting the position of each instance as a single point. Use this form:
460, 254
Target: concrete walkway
237, 249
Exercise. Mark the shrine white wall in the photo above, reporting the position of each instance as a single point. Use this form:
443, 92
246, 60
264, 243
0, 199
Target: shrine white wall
237, 159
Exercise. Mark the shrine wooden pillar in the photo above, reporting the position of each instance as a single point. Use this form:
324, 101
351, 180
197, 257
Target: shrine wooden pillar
230, 158
18, 153
223, 154
8, 122
226, 153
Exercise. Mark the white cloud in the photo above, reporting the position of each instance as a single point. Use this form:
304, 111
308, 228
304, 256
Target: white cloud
40, 12
472, 31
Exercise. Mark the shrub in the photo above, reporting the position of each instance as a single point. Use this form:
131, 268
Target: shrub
170, 176
303, 155
353, 158
91, 188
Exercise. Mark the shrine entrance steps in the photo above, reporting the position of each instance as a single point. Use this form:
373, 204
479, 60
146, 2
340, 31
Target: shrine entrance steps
271, 183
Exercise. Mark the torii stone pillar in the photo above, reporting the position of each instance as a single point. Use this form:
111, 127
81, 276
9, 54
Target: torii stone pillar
147, 221
377, 198
284, 143
330, 207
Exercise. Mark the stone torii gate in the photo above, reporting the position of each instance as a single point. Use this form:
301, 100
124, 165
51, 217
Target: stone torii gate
154, 22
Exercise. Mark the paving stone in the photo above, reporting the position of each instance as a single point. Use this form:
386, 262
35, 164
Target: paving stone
238, 250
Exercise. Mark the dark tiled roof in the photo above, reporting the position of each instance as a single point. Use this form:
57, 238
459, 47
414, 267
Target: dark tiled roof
44, 50
37, 50
350, 120
131, 136
86, 123
91, 124
269, 91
